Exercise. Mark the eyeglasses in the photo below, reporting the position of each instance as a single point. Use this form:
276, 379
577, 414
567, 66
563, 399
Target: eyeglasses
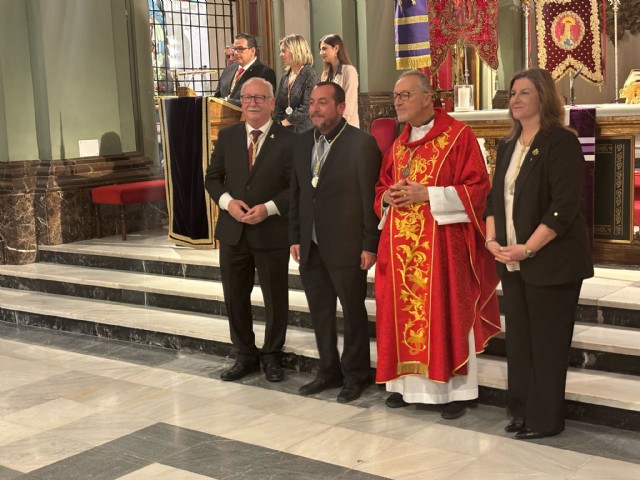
241, 49
259, 99
405, 95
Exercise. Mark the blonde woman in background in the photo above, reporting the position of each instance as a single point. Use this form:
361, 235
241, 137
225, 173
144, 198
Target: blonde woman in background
292, 100
338, 69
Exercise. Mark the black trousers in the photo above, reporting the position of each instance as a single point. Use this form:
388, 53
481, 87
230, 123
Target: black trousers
238, 264
539, 328
323, 286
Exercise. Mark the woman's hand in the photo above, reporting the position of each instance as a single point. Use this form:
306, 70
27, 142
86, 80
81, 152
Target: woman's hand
509, 254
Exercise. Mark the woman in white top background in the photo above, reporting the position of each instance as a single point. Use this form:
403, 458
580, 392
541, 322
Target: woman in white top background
337, 68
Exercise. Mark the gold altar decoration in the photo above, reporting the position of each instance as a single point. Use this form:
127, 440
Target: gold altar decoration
631, 88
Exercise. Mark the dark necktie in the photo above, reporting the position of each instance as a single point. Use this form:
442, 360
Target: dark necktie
253, 146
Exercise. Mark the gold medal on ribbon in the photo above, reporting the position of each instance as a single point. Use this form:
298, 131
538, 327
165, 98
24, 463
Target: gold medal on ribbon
288, 110
314, 181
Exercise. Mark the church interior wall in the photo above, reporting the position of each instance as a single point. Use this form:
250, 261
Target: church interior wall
327, 17
377, 45
290, 16
71, 71
17, 109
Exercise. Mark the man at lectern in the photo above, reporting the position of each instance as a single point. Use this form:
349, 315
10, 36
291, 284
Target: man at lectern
246, 66
248, 178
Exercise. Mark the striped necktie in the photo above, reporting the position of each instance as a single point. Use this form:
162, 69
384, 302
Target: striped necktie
253, 146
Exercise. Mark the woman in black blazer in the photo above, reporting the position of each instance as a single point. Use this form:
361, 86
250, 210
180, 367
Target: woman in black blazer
537, 232
294, 92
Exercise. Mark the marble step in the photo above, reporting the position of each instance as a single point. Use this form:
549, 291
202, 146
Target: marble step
598, 397
612, 297
181, 263
180, 294
595, 347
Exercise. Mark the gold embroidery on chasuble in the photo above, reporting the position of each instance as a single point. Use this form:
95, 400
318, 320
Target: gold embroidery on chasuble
411, 238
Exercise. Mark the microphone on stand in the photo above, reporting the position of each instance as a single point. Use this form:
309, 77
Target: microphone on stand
572, 97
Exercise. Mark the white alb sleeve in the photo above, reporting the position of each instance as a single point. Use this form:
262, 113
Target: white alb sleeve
446, 206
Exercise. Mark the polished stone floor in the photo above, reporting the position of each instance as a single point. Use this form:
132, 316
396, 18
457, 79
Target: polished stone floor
78, 407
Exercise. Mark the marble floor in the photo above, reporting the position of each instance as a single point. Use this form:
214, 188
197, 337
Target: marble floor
79, 407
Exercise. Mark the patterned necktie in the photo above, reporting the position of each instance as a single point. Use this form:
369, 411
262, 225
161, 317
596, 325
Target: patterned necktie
239, 73
253, 146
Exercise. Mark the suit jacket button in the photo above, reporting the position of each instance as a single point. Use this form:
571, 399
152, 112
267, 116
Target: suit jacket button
248, 187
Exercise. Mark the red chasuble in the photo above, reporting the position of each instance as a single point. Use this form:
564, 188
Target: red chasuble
434, 283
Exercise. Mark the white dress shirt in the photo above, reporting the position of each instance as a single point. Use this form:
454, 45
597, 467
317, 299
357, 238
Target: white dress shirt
226, 197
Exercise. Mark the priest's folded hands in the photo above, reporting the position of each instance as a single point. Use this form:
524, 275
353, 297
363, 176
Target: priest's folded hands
406, 192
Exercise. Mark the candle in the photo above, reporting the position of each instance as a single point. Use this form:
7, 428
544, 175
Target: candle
463, 97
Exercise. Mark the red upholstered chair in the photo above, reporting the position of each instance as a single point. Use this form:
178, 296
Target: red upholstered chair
126, 193
384, 130
636, 201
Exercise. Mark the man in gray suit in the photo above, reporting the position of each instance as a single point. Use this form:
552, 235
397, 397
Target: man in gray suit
246, 66
334, 236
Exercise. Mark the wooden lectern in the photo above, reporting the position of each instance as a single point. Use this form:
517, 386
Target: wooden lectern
221, 114
189, 129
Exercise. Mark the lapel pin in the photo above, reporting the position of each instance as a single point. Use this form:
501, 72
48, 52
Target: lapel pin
272, 136
535, 151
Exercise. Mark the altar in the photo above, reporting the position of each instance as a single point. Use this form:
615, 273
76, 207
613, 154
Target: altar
617, 125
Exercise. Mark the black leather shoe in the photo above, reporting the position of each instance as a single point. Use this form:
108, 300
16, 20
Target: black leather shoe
239, 370
395, 400
528, 434
351, 392
273, 372
514, 425
319, 385
453, 410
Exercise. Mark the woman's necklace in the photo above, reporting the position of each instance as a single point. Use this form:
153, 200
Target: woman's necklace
291, 81
333, 71
523, 152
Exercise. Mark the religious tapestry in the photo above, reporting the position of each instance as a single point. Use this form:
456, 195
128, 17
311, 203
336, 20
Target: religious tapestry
569, 38
412, 34
470, 22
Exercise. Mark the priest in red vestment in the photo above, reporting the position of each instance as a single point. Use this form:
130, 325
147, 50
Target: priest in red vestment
435, 282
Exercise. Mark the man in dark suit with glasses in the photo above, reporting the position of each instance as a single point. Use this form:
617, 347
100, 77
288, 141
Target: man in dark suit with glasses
249, 180
246, 66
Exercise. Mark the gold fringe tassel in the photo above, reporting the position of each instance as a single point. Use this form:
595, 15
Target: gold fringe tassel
412, 367
409, 63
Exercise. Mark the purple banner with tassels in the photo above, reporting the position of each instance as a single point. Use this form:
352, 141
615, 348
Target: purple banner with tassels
412, 34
